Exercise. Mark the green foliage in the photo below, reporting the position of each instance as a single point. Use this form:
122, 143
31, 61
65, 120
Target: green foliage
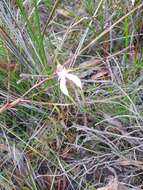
89, 6
2, 49
49, 141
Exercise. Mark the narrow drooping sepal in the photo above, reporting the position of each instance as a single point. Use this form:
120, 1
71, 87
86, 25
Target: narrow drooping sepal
63, 86
74, 79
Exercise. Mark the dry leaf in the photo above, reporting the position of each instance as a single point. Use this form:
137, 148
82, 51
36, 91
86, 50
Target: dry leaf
94, 69
114, 184
8, 66
63, 12
114, 121
91, 62
127, 162
100, 74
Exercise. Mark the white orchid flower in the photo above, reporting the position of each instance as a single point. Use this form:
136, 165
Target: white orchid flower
63, 75
133, 2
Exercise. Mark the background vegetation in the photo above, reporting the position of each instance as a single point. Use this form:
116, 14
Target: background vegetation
47, 140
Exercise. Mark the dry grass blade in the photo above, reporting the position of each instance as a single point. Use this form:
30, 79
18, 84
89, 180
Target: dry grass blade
111, 27
9, 105
17, 101
92, 140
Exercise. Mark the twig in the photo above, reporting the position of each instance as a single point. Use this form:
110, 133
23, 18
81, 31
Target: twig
15, 102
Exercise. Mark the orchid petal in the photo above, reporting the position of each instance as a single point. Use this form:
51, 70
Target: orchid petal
133, 2
63, 86
74, 79
61, 72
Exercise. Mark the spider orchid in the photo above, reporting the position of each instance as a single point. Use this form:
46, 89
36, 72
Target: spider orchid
63, 75
133, 2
